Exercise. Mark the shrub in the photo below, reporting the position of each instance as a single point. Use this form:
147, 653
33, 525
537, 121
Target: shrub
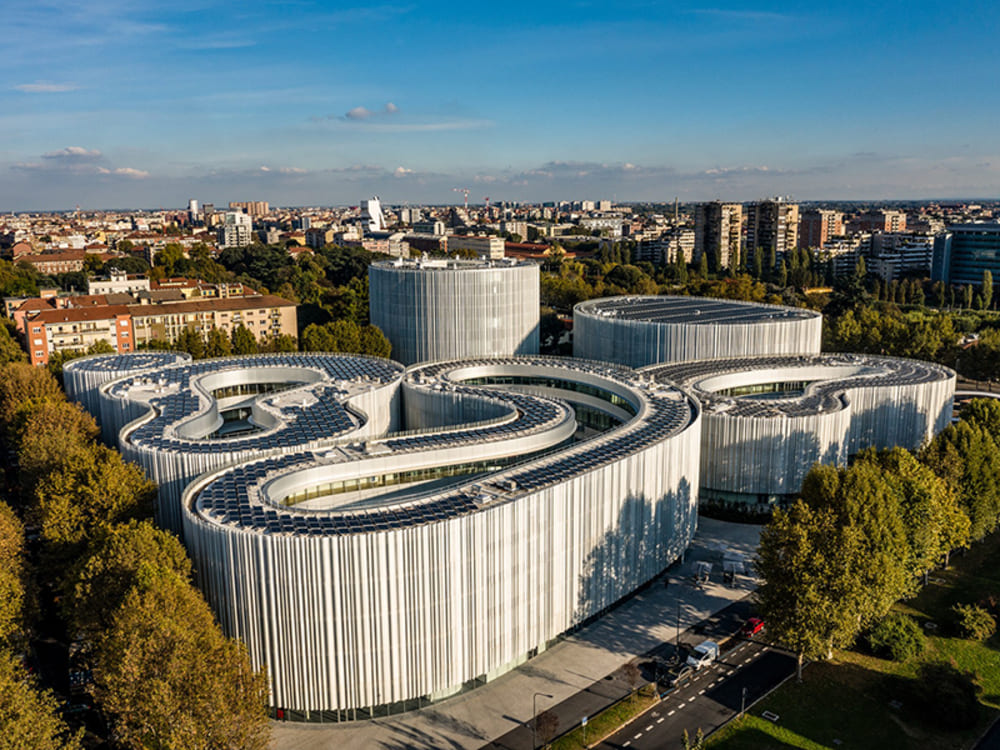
948, 696
974, 622
896, 636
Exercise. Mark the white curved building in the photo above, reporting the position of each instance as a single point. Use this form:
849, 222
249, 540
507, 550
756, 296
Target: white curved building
767, 420
181, 421
374, 578
432, 310
83, 377
645, 330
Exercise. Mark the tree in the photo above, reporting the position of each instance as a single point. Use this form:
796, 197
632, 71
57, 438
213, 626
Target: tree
29, 717
13, 578
986, 288
10, 350
21, 388
372, 341
782, 275
345, 336
281, 343
801, 566
867, 512
546, 725
87, 496
168, 678
217, 344
190, 341
125, 556
935, 522
703, 266
243, 342
53, 434
680, 265
968, 459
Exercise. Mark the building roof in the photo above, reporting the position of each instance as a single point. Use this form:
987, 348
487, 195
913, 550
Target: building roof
80, 314
665, 309
212, 303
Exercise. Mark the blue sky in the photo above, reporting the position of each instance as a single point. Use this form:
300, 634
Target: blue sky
129, 103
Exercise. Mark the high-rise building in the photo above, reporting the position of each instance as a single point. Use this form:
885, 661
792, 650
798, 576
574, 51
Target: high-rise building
717, 228
236, 230
372, 216
966, 250
254, 208
882, 220
817, 225
772, 225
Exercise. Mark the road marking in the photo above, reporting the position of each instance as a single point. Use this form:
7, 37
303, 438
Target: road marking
660, 720
637, 736
747, 661
648, 728
691, 699
627, 743
671, 712
681, 706
701, 692
730, 671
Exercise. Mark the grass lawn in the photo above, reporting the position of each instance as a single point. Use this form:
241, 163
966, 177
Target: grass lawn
848, 698
610, 720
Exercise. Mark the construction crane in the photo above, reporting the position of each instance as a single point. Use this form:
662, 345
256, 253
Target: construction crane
487, 199
463, 190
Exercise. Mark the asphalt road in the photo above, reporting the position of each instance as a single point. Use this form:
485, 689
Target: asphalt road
712, 697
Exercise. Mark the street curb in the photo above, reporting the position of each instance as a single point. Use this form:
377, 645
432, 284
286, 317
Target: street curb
599, 740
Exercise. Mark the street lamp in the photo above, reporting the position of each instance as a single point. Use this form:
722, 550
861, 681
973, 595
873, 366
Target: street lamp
534, 718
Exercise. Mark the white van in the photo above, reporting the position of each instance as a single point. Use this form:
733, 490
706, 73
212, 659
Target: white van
703, 654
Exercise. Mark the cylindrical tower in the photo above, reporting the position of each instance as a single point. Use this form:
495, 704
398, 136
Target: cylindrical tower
640, 331
434, 310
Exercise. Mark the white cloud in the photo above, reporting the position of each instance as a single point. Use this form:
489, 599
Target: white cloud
401, 172
73, 154
138, 174
46, 87
358, 113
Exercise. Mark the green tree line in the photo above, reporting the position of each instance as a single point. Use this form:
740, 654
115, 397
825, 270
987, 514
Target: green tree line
164, 674
861, 538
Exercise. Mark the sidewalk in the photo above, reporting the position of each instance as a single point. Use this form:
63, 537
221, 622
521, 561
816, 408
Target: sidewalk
581, 665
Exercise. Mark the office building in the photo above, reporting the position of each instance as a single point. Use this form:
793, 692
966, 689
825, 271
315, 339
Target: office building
966, 250
644, 330
443, 309
767, 420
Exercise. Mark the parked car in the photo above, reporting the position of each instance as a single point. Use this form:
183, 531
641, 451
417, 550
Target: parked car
703, 654
751, 627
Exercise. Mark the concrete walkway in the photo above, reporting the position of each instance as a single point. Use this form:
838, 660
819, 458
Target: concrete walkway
573, 665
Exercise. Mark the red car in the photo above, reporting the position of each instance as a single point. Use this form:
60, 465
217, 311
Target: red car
751, 627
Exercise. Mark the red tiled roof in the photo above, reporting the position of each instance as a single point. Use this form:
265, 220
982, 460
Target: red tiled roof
80, 314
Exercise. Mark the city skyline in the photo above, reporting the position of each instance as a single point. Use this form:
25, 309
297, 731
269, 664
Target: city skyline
112, 105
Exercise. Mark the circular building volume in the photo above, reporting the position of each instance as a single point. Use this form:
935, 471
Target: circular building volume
767, 420
181, 421
374, 577
639, 331
83, 377
433, 310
